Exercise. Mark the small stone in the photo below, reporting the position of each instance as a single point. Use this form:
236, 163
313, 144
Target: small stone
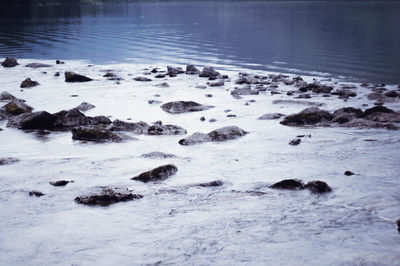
348, 173
9, 62
35, 193
216, 183
58, 62
107, 196
231, 115
209, 95
142, 79
398, 221
291, 184
159, 76
157, 174
212, 120
202, 118
28, 83
37, 65
59, 183
294, 142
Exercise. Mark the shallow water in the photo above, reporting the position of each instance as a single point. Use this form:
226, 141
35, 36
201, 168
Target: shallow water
357, 40
353, 225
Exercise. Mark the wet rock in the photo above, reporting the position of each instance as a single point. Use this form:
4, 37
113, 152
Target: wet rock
158, 129
36, 120
218, 83
57, 74
73, 118
248, 79
384, 117
73, 77
173, 71
84, 106
344, 115
162, 85
209, 72
112, 76
107, 196
245, 91
37, 65
304, 96
6, 96
58, 62
154, 101
316, 88
192, 70
318, 187
201, 87
157, 155
160, 76
59, 183
202, 118
6, 161
377, 109
231, 115
16, 107
392, 93
271, 116
294, 142
179, 107
212, 120
216, 183
137, 128
157, 174
348, 173
208, 95
299, 102
291, 184
9, 62
36, 193
142, 79
28, 83
398, 221
221, 134
380, 97
96, 133
309, 116
344, 92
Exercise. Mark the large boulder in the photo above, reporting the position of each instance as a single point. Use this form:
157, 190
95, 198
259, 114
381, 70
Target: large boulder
377, 109
96, 133
248, 79
309, 116
318, 187
291, 184
9, 62
157, 174
6, 96
192, 70
28, 83
107, 196
73, 77
16, 107
345, 114
36, 120
73, 118
209, 72
37, 65
179, 107
221, 134
137, 128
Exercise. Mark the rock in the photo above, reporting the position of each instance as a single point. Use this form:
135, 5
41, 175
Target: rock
202, 118
398, 221
318, 187
231, 115
59, 183
179, 107
248, 79
157, 155
36, 120
392, 93
6, 96
58, 62
377, 109
57, 74
1, 128
112, 76
154, 101
16, 107
217, 83
344, 115
244, 91
73, 77
309, 103
160, 76
84, 106
72, 118
28, 83
212, 120
344, 93
202, 87
192, 70
35, 193
209, 72
348, 173
384, 117
137, 128
208, 95
173, 71
96, 133
309, 116
216, 183
304, 96
292, 184
294, 142
271, 116
221, 134
316, 88
9, 62
162, 85
107, 196
6, 161
142, 79
157, 174
37, 65
165, 130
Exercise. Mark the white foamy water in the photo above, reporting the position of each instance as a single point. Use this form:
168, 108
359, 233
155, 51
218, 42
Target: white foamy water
353, 225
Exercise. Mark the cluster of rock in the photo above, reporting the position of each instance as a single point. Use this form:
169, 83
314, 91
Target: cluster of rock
296, 184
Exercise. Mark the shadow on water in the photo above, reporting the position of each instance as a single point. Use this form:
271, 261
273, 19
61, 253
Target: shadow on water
357, 40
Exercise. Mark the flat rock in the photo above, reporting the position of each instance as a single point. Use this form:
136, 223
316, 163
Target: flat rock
348, 173
291, 184
36, 193
218, 83
271, 116
37, 65
157, 155
142, 79
157, 174
179, 107
9, 62
162, 85
59, 183
158, 129
309, 116
221, 134
96, 133
73, 118
216, 183
28, 83
84, 106
245, 91
73, 77
107, 196
137, 128
295, 142
318, 187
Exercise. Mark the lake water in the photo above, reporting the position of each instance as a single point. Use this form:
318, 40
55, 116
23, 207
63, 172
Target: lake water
355, 40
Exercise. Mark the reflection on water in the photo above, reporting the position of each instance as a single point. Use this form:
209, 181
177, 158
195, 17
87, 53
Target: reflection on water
357, 40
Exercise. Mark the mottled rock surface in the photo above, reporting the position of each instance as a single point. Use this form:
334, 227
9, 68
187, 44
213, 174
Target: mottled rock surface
157, 174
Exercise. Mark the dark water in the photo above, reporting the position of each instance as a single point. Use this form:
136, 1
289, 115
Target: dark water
357, 40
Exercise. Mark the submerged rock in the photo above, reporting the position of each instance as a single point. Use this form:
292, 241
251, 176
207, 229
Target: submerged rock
292, 184
36, 193
73, 77
179, 107
137, 128
309, 103
318, 187
294, 142
157, 155
84, 106
59, 183
16, 107
245, 91
96, 133
107, 196
216, 183
28, 83
37, 65
6, 161
6, 96
209, 72
221, 134
9, 62
271, 116
217, 83
309, 116
142, 79
157, 174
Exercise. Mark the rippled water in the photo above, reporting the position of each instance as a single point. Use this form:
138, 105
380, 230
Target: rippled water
357, 40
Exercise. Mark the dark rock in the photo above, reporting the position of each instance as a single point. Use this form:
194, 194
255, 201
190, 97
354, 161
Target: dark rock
160, 76
209, 72
216, 183
344, 92
348, 173
316, 88
398, 221
309, 103
173, 71
9, 62
294, 142
37, 65
248, 79
157, 155
72, 118
277, 92
231, 115
271, 116
107, 196
209, 95
318, 187
137, 128
6, 161
309, 116
84, 106
201, 87
179, 107
344, 115
377, 109
221, 134
95, 133
154, 101
192, 70
157, 174
384, 117
217, 83
392, 94
212, 120
58, 62
36, 120
28, 83
141, 79
202, 118
304, 96
16, 107
59, 183
162, 85
73, 77
166, 130
57, 74
6, 96
244, 91
154, 70
35, 193
292, 184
